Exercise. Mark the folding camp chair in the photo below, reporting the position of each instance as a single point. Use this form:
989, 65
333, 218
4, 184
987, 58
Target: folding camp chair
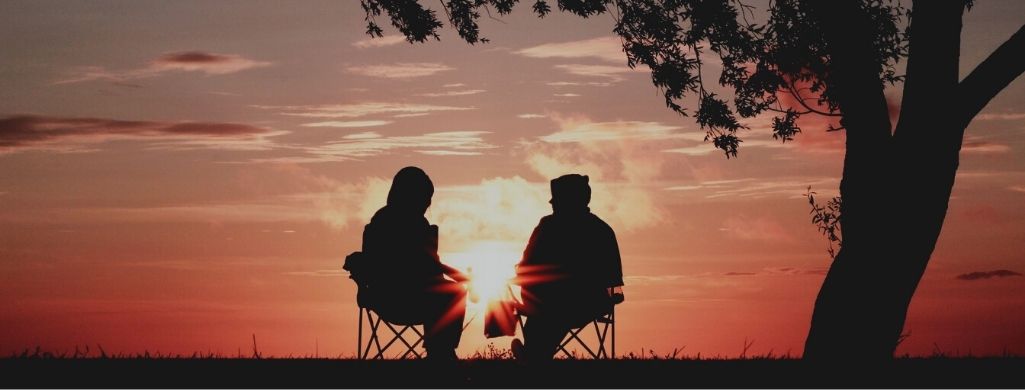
398, 333
604, 330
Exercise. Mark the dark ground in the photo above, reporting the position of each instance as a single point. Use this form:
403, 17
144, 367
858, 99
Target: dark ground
290, 373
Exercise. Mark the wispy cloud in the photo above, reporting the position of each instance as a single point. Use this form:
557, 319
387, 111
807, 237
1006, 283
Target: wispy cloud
708, 184
577, 84
357, 110
348, 123
760, 228
787, 187
779, 271
209, 63
604, 48
980, 275
319, 273
387, 40
363, 135
615, 73
755, 139
399, 70
188, 61
454, 85
1017, 188
531, 116
575, 130
752, 188
371, 144
979, 145
454, 93
74, 134
1006, 116
448, 153
566, 94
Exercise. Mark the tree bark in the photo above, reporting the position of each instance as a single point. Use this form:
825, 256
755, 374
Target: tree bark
844, 325
895, 188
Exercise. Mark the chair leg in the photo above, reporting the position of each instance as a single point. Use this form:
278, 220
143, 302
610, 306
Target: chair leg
411, 348
613, 314
398, 337
420, 339
373, 335
373, 327
359, 342
574, 334
600, 334
563, 344
377, 338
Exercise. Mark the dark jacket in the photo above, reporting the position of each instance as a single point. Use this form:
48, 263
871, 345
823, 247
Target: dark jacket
403, 247
568, 265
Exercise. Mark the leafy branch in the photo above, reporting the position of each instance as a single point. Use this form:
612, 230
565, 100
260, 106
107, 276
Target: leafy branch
827, 219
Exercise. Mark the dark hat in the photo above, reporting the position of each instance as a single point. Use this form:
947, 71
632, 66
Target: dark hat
571, 189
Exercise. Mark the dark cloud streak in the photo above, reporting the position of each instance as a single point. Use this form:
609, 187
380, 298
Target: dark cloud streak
26, 131
979, 275
194, 57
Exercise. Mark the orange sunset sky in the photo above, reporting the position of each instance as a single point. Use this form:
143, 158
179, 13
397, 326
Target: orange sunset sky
178, 176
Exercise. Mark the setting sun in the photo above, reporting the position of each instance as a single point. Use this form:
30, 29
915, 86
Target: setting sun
491, 267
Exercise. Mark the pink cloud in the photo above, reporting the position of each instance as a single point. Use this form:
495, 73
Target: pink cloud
70, 134
209, 63
399, 70
187, 61
756, 229
357, 110
387, 40
979, 145
604, 48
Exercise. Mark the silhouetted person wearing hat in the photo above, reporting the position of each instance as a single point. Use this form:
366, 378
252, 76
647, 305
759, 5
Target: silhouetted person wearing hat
568, 267
408, 285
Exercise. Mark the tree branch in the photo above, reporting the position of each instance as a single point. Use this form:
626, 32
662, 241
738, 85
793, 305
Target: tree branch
992, 76
795, 92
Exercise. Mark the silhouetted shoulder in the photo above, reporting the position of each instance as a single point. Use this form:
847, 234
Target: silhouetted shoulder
387, 215
379, 215
601, 224
546, 220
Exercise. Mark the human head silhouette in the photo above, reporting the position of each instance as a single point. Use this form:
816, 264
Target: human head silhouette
411, 190
570, 192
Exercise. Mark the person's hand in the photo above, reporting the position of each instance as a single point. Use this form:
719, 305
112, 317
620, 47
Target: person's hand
454, 273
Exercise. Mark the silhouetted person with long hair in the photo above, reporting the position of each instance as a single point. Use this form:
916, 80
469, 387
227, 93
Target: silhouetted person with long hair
409, 284
567, 271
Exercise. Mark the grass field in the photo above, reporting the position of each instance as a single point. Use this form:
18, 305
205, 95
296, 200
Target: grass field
628, 373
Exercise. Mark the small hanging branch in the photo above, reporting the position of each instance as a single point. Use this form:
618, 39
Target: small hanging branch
827, 220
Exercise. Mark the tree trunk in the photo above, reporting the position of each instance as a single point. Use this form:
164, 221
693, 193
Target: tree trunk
895, 188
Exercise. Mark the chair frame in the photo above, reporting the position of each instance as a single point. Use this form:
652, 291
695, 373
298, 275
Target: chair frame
604, 328
374, 322
605, 331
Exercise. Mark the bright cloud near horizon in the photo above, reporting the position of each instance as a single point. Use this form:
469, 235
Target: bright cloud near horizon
182, 180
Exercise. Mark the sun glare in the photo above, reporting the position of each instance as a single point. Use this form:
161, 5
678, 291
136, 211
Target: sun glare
491, 265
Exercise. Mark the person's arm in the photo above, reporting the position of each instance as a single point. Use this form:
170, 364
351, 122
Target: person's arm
453, 273
446, 269
615, 262
613, 268
524, 269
